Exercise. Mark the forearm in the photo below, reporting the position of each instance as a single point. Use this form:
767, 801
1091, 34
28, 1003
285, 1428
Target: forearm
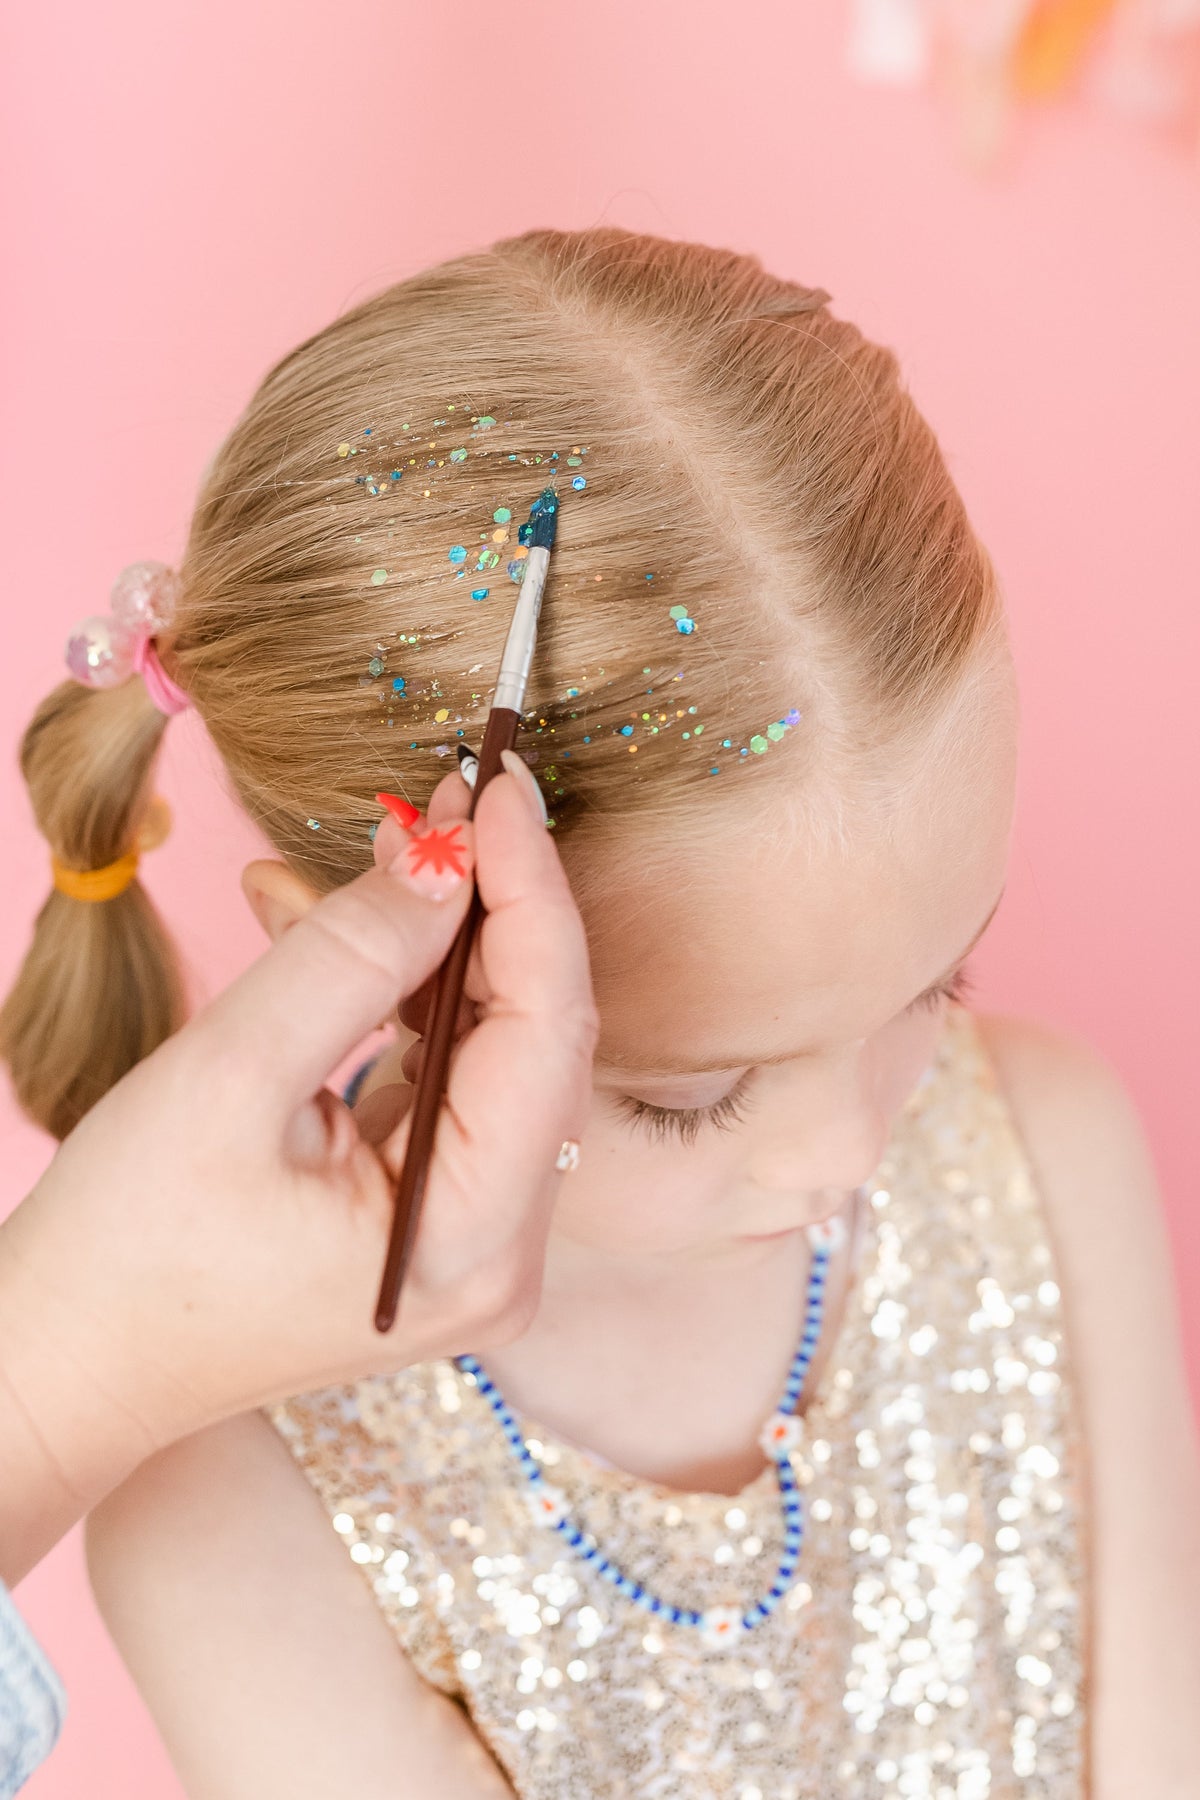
65, 1439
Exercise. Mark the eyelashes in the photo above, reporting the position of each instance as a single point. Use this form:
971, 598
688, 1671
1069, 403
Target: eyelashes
684, 1123
957, 987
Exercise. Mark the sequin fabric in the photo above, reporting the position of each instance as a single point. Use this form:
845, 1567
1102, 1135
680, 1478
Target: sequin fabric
933, 1644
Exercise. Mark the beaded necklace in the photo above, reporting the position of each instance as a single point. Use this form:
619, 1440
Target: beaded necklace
779, 1437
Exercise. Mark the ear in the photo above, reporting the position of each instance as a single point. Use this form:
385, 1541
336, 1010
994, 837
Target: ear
277, 895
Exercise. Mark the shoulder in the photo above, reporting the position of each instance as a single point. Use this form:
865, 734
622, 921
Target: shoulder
254, 1640
1069, 1103
1094, 1171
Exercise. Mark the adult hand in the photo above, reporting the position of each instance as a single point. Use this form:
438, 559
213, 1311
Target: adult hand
211, 1235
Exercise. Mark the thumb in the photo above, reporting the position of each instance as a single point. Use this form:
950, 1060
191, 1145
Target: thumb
297, 1011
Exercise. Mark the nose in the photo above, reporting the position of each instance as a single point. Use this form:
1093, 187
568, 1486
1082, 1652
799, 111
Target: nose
823, 1126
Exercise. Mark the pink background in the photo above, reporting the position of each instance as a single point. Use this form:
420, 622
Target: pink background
194, 188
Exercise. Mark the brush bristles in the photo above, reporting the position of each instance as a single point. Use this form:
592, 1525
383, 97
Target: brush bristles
543, 516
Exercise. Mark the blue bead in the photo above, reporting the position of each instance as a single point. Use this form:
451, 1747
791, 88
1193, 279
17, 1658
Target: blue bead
676, 1616
639, 1593
655, 1605
777, 1593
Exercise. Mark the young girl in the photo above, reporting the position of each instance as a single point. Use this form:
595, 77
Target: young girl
849, 1451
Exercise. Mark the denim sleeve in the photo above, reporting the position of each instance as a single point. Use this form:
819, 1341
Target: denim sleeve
32, 1702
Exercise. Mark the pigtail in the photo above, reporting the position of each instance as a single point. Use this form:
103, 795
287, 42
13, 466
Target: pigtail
100, 986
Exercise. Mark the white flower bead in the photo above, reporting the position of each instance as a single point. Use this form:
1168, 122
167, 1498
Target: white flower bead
721, 1625
781, 1434
546, 1503
828, 1234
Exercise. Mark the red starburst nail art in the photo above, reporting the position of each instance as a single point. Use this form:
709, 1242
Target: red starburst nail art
437, 860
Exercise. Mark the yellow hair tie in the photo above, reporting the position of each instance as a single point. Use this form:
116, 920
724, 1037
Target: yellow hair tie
114, 877
96, 884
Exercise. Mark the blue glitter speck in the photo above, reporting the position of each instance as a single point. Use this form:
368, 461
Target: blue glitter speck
399, 684
458, 553
580, 481
687, 626
479, 593
627, 731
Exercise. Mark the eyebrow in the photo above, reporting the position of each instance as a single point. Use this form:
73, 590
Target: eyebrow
711, 1066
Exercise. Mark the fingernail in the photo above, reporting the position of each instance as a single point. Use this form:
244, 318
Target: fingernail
400, 809
435, 860
515, 766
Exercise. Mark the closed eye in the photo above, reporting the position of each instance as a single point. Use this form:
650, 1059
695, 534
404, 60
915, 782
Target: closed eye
955, 987
685, 1123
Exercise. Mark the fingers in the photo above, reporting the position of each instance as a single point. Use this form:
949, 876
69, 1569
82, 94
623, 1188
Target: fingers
294, 1014
520, 1081
532, 946
381, 1112
414, 1009
449, 799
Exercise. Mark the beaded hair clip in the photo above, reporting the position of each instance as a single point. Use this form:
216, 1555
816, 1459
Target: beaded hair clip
107, 648
103, 651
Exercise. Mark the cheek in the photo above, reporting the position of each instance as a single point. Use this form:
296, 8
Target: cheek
901, 1053
630, 1193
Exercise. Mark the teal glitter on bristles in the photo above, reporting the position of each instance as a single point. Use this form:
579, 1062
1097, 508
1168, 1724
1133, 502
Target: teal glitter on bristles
543, 519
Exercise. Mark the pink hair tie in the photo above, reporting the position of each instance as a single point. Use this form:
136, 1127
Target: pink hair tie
166, 694
107, 649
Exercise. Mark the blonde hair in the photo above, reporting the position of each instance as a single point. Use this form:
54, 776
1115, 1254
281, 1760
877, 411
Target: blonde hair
747, 456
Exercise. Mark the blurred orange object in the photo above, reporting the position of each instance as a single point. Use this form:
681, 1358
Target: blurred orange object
1053, 41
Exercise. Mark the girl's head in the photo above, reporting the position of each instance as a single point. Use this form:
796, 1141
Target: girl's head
771, 708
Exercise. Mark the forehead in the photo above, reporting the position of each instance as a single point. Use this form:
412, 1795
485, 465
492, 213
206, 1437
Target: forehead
763, 936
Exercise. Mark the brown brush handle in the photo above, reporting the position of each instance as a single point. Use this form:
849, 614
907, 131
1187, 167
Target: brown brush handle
499, 734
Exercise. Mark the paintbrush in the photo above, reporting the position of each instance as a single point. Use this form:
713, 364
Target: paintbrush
500, 733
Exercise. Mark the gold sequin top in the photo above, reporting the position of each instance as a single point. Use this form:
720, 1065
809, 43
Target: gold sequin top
933, 1644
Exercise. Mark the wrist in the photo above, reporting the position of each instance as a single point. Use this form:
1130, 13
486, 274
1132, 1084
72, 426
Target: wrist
70, 1429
